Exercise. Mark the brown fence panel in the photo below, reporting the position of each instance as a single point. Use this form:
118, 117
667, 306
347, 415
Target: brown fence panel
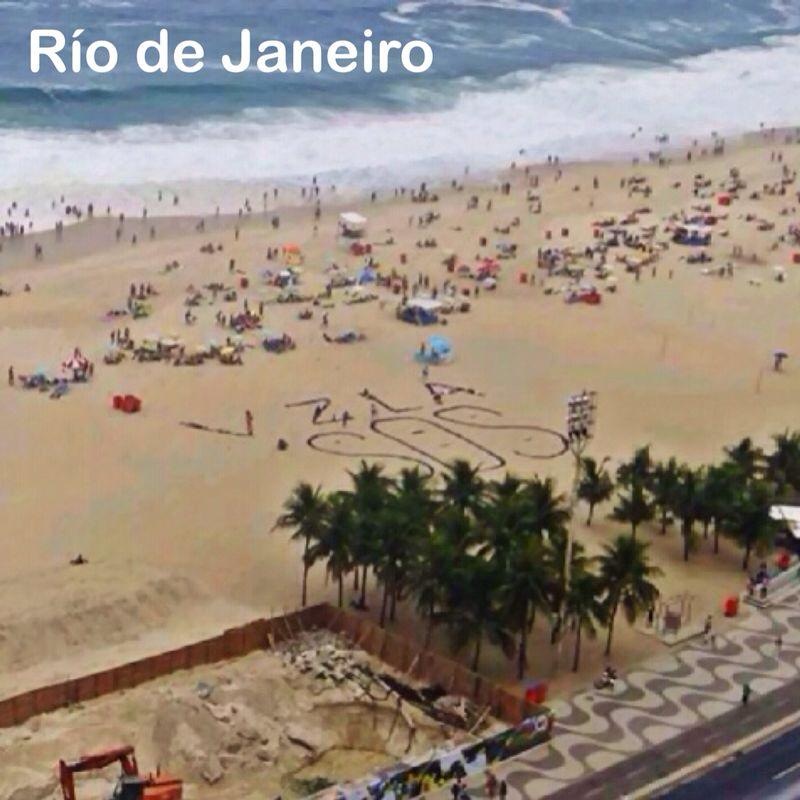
197, 654
216, 649
234, 643
24, 707
7, 714
254, 635
395, 652
464, 681
125, 677
105, 682
86, 688
441, 671
510, 707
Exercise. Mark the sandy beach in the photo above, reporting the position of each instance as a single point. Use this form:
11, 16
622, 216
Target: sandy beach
176, 520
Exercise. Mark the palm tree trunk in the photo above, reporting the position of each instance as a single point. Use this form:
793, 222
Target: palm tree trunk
393, 601
634, 525
428, 629
577, 654
687, 540
363, 601
384, 605
706, 525
716, 538
476, 658
341, 590
304, 598
746, 560
610, 635
591, 514
355, 579
522, 652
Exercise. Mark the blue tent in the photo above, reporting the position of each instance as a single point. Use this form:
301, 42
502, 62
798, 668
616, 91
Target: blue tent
366, 275
437, 349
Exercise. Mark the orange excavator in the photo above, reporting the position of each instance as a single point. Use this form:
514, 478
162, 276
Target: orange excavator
131, 785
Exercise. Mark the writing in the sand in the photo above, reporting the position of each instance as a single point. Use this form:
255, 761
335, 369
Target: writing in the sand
50, 48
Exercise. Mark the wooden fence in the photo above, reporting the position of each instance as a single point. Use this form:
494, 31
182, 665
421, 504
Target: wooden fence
400, 653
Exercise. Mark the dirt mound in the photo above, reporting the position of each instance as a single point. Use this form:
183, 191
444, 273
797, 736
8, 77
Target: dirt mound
77, 619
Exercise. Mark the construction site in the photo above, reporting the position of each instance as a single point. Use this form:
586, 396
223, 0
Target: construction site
308, 711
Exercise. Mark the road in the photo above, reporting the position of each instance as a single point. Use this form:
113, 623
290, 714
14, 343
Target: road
660, 761
770, 771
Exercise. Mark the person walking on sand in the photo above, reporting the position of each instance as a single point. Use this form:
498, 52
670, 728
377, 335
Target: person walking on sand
11, 376
248, 421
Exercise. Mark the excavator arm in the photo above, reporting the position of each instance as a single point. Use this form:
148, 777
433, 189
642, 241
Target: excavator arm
68, 769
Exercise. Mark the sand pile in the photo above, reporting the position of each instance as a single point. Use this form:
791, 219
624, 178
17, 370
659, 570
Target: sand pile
288, 722
75, 619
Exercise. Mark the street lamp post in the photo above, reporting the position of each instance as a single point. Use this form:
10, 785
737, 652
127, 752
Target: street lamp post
581, 414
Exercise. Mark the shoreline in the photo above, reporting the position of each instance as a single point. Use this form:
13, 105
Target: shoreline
83, 237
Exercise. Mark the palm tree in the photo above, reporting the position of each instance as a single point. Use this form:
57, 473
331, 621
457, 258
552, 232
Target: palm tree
721, 485
584, 609
335, 544
549, 512
430, 575
370, 495
305, 511
746, 457
406, 522
626, 578
472, 613
750, 523
463, 487
633, 507
505, 514
524, 591
666, 477
686, 505
638, 470
595, 485
783, 463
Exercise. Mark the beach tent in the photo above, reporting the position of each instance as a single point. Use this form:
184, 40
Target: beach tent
352, 224
693, 235
366, 274
77, 364
420, 311
789, 516
292, 254
437, 349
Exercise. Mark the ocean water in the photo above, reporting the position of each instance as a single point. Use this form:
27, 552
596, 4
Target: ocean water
576, 77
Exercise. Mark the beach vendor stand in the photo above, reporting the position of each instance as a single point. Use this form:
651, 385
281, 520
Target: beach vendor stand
352, 225
420, 311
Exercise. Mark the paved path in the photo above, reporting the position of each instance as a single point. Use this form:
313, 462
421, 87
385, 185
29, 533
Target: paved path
665, 697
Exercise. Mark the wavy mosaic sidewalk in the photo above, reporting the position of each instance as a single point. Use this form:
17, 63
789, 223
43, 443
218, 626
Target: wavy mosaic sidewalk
664, 697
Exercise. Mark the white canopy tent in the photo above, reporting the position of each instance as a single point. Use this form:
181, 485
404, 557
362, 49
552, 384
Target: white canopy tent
789, 515
352, 224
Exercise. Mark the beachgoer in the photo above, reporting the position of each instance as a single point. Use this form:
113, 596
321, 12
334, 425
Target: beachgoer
746, 692
707, 628
11, 376
248, 421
